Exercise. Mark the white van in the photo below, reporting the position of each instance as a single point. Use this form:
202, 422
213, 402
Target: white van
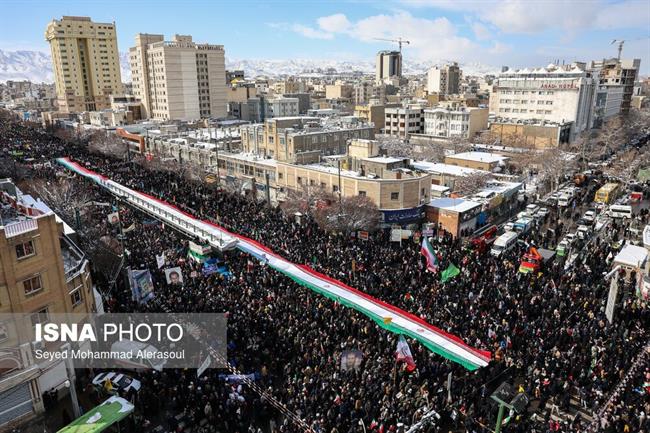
564, 200
620, 211
504, 243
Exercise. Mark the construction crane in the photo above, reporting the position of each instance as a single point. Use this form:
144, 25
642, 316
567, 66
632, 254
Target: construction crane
399, 41
622, 41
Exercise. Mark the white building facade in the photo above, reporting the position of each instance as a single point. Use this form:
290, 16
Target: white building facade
402, 122
461, 122
555, 95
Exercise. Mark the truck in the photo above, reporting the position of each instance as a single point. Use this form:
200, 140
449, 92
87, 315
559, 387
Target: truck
535, 260
523, 225
483, 238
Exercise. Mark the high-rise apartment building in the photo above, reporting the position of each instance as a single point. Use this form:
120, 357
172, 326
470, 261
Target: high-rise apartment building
445, 80
389, 65
86, 63
178, 79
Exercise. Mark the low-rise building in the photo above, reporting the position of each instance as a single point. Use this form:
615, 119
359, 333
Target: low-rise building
399, 191
402, 121
447, 122
531, 134
455, 215
42, 272
302, 139
477, 160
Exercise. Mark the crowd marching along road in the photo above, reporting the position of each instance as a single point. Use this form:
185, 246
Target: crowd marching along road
547, 332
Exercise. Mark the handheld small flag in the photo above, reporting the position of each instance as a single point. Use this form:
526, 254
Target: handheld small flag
403, 354
427, 251
449, 273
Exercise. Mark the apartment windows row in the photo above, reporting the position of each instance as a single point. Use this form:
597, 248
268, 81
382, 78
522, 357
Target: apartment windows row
526, 92
525, 101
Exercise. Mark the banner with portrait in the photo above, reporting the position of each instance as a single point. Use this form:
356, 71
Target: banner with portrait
141, 285
174, 275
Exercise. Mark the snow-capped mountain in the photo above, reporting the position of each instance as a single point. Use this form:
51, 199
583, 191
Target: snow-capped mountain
276, 68
36, 66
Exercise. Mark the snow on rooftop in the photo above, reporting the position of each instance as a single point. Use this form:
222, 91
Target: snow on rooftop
440, 168
479, 157
632, 255
454, 204
383, 159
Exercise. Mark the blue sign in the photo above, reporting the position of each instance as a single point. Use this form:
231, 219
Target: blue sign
403, 216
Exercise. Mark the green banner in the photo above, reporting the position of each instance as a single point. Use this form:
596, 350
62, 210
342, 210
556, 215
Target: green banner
101, 417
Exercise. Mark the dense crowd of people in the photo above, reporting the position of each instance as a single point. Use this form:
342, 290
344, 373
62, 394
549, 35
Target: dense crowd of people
547, 332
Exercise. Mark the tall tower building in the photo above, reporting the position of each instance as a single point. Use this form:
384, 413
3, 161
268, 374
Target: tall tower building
389, 64
445, 80
86, 63
178, 79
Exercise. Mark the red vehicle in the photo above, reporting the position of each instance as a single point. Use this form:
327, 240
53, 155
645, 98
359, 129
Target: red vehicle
534, 260
483, 238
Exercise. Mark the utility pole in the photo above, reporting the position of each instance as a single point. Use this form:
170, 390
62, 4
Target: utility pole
69, 370
268, 188
340, 186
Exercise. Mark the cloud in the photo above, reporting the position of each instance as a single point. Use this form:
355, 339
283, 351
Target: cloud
430, 39
334, 23
481, 31
499, 48
532, 17
311, 32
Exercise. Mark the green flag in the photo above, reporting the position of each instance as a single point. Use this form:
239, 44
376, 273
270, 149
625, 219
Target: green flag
449, 273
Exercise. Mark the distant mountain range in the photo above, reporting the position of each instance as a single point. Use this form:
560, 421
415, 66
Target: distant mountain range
36, 66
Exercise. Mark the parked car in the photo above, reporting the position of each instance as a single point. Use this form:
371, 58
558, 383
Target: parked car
570, 238
562, 248
584, 232
590, 216
119, 382
543, 212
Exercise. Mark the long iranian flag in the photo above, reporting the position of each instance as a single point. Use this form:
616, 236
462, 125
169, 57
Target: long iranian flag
385, 315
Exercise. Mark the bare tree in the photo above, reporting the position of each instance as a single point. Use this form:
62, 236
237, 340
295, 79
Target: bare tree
306, 199
552, 165
62, 195
395, 146
472, 183
107, 144
351, 214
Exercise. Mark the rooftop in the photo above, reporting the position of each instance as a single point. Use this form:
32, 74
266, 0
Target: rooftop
479, 157
631, 255
383, 159
454, 204
448, 169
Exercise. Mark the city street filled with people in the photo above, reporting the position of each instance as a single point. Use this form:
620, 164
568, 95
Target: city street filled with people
547, 331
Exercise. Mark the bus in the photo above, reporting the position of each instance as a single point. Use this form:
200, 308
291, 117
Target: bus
607, 193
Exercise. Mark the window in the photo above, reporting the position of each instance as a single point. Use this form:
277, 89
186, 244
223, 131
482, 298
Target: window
75, 296
394, 195
280, 175
32, 285
39, 316
362, 193
335, 188
299, 180
25, 250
